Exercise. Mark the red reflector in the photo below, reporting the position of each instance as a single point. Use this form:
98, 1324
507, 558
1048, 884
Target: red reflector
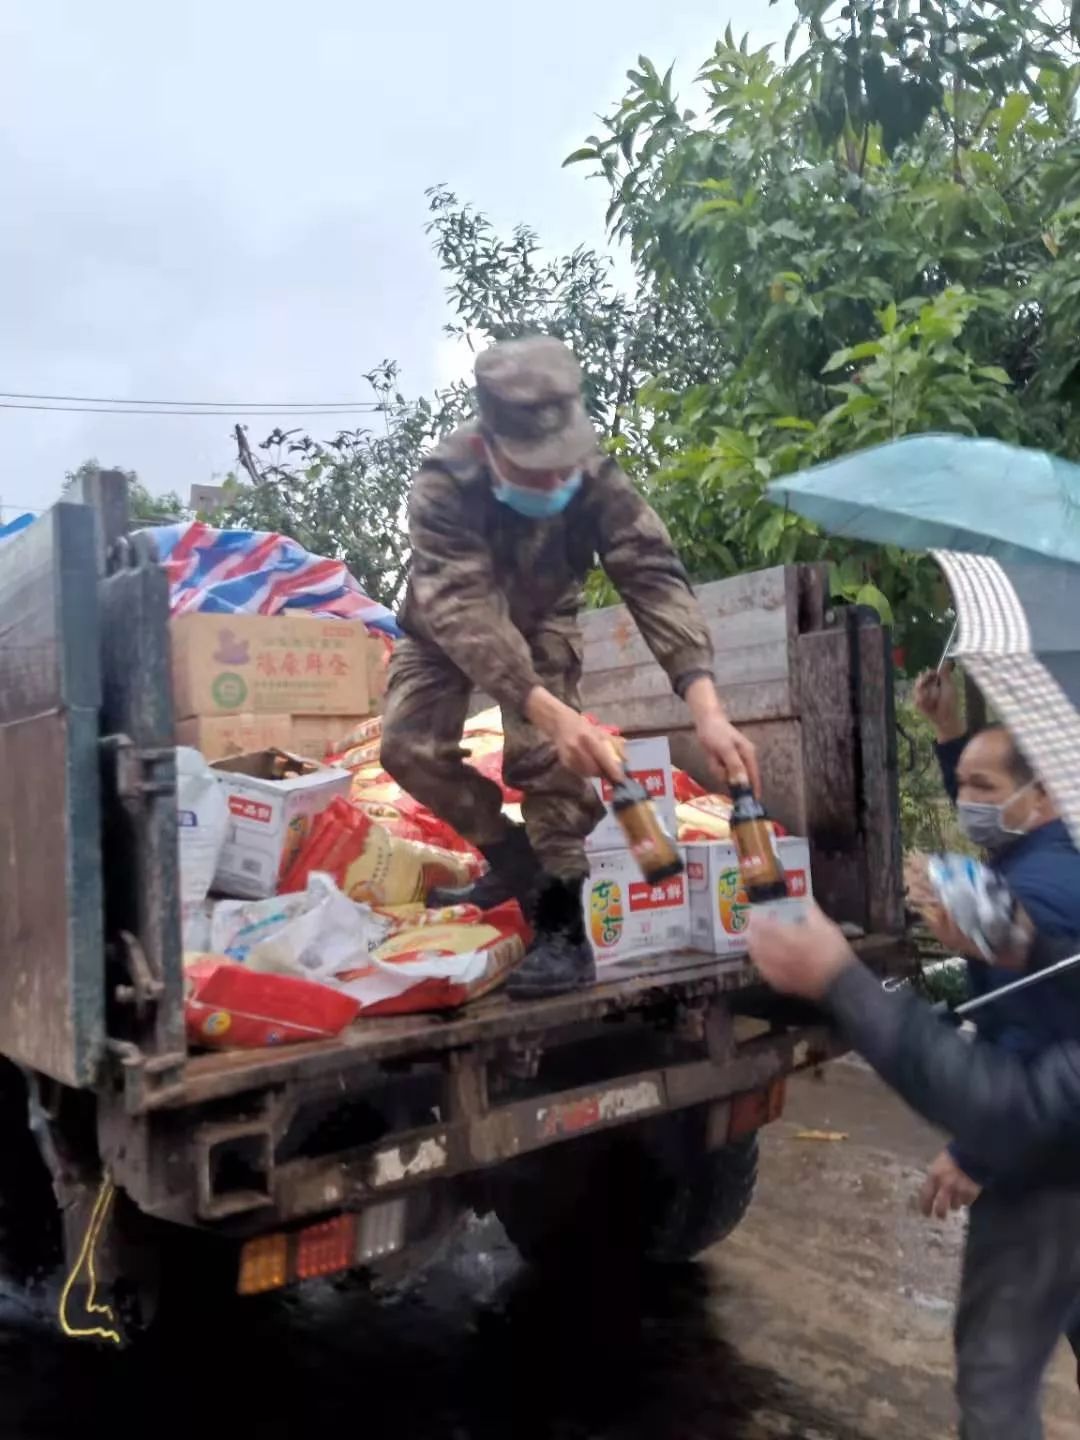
326, 1248
756, 1108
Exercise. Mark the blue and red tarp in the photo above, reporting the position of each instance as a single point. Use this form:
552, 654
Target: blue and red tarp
254, 572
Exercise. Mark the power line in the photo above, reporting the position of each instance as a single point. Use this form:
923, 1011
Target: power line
216, 414
292, 406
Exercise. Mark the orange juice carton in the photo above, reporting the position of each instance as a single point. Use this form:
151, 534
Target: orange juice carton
719, 909
625, 915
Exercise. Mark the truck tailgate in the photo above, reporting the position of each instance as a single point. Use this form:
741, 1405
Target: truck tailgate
632, 984
624, 985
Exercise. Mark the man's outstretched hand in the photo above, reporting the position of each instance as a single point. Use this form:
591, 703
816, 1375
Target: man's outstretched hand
729, 750
801, 959
581, 746
947, 1188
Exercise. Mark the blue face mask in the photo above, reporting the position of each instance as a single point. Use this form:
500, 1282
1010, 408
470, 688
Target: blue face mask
535, 504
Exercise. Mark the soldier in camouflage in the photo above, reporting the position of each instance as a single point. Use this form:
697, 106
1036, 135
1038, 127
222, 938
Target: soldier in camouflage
506, 518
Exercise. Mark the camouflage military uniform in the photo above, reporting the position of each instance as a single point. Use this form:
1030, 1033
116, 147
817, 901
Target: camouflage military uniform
492, 603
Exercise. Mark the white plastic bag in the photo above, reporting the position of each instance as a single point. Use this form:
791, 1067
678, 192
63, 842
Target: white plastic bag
384, 980
313, 934
202, 818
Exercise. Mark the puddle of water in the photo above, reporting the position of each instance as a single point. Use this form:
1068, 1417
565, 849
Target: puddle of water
480, 1350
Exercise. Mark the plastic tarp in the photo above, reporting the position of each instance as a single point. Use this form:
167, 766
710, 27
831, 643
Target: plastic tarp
255, 572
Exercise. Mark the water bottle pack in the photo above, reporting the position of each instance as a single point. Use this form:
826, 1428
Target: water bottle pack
978, 902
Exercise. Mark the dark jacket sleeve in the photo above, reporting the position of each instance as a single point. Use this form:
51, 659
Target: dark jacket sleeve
637, 554
971, 1165
1009, 1114
453, 584
948, 755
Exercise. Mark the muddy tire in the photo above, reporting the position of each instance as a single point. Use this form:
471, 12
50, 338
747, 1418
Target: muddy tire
30, 1231
170, 1278
706, 1205
655, 1195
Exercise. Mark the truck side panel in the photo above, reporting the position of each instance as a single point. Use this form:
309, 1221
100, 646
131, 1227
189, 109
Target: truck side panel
52, 983
142, 889
852, 785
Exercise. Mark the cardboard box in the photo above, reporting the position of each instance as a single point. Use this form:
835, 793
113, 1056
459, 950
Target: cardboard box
378, 672
269, 819
219, 737
719, 909
649, 762
269, 664
625, 915
321, 735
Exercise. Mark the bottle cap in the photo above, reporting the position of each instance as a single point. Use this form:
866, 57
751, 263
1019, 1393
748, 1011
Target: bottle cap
627, 793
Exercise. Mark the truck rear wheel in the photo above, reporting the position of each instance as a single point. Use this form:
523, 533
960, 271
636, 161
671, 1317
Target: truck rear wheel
168, 1278
30, 1231
709, 1201
653, 1193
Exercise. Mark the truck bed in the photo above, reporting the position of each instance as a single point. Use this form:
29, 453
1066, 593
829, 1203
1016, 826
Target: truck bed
630, 984
86, 730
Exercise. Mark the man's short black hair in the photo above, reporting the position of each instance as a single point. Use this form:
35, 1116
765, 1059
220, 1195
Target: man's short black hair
1015, 763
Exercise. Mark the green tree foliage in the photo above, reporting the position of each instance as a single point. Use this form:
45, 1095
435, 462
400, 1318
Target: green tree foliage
875, 234
886, 225
345, 498
927, 819
500, 289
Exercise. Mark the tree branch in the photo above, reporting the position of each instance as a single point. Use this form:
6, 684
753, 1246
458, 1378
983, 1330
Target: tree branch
245, 457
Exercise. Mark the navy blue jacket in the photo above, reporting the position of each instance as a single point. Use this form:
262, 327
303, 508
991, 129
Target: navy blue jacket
1042, 871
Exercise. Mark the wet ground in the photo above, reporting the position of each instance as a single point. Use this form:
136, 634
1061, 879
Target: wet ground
826, 1317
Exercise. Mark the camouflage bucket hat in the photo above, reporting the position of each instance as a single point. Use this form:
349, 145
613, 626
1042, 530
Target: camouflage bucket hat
528, 393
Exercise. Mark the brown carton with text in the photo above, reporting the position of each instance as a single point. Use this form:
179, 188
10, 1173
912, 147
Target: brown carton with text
269, 664
321, 735
219, 737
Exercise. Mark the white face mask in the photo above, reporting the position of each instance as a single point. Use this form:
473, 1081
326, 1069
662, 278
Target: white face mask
984, 824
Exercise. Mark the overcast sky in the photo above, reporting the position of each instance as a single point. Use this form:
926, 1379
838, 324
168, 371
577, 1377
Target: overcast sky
225, 201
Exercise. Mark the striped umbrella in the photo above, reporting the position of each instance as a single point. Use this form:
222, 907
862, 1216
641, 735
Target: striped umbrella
1018, 637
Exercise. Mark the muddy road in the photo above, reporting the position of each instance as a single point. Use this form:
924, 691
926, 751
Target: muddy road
826, 1317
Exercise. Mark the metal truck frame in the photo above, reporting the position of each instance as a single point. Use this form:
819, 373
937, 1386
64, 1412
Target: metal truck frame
362, 1151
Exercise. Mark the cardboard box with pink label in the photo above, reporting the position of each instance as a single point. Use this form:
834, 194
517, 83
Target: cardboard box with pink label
719, 909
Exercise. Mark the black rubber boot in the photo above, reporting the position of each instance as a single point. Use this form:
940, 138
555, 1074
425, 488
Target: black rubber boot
512, 873
559, 959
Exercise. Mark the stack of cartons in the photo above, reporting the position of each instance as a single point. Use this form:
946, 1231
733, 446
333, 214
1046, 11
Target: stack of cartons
243, 683
625, 915
705, 909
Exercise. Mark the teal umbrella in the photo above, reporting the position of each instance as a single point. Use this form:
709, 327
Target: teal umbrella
945, 492
1004, 525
